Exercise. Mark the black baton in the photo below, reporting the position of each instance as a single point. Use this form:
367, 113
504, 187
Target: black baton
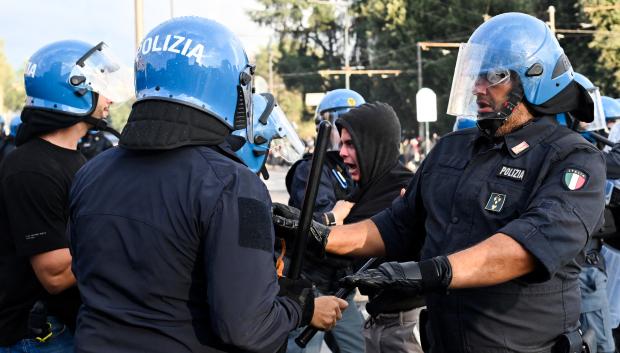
312, 187
309, 332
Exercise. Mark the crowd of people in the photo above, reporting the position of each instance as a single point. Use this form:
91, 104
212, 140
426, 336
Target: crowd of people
498, 237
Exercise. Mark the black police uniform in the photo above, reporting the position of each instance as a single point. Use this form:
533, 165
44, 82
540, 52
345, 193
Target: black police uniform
173, 252
543, 186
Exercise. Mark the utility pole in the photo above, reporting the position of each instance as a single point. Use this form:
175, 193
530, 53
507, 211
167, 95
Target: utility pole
270, 66
139, 21
426, 46
551, 23
347, 76
347, 69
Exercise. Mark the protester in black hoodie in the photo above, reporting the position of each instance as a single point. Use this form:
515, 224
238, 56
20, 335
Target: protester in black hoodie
370, 137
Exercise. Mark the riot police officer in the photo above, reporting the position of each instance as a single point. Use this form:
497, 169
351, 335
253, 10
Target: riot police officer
171, 233
69, 87
494, 218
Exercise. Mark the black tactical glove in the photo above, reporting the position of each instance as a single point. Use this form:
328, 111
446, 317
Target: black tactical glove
302, 292
415, 277
286, 222
393, 301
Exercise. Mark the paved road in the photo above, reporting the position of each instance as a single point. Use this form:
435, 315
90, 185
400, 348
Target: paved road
276, 185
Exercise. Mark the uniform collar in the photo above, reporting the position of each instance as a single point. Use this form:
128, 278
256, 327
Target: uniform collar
519, 142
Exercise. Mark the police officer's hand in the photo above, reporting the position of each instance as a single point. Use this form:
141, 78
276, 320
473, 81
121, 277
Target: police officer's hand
300, 291
327, 310
286, 222
415, 277
393, 301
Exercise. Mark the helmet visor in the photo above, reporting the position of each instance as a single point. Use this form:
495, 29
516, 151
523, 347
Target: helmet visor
246, 82
479, 68
599, 122
105, 74
286, 143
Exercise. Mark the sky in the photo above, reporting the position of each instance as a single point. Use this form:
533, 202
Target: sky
27, 25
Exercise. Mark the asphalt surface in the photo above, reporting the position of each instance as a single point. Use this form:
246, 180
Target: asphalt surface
276, 183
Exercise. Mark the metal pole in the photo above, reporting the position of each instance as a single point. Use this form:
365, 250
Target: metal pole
428, 140
270, 67
347, 75
139, 21
419, 57
171, 8
551, 11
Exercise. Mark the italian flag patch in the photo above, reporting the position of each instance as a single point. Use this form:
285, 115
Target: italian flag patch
574, 179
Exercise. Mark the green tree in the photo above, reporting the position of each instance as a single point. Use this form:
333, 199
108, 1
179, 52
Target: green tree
385, 33
11, 85
606, 43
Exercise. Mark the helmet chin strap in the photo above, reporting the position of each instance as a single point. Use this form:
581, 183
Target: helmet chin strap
489, 123
101, 125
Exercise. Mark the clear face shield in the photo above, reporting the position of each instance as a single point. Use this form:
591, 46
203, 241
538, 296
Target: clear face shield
331, 116
286, 143
478, 70
246, 82
599, 122
99, 70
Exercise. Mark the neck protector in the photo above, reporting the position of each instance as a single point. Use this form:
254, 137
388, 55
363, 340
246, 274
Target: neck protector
163, 125
36, 122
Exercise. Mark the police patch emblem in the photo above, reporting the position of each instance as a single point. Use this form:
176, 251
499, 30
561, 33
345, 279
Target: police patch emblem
574, 179
520, 147
496, 202
511, 173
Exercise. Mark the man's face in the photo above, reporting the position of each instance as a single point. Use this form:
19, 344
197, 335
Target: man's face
349, 155
490, 96
103, 108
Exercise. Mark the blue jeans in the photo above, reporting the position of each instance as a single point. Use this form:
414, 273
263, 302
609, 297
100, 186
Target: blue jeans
348, 333
612, 261
595, 308
61, 341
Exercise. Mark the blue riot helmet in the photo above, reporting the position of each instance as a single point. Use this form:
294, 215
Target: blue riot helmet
334, 104
611, 108
199, 63
14, 125
68, 75
272, 133
464, 122
511, 48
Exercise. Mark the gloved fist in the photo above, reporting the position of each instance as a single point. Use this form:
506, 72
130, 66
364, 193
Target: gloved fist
393, 301
286, 223
414, 277
302, 292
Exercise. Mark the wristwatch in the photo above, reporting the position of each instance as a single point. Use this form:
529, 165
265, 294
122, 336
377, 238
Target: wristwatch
329, 219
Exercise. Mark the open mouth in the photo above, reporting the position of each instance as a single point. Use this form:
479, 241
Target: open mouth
484, 106
352, 168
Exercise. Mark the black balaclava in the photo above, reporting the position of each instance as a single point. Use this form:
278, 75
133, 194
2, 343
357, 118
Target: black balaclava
163, 125
38, 121
375, 131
